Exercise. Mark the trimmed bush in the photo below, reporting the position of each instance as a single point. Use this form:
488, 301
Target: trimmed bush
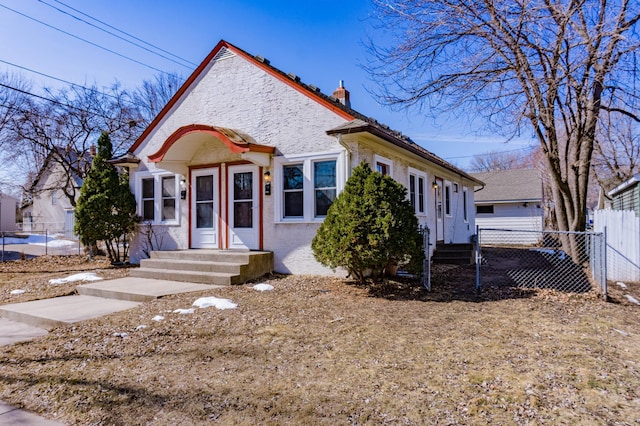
370, 225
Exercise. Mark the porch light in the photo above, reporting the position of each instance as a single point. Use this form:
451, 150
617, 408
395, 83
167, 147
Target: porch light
435, 185
183, 188
267, 182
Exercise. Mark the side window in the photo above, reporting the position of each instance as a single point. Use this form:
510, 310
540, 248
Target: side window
293, 188
447, 200
148, 198
484, 209
324, 182
169, 198
417, 181
465, 204
383, 165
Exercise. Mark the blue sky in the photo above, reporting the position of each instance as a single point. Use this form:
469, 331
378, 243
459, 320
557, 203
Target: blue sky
319, 40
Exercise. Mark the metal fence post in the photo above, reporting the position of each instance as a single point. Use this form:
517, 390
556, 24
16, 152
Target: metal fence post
478, 257
604, 263
46, 242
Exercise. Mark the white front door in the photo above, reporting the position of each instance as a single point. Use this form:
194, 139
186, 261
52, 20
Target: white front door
205, 208
244, 207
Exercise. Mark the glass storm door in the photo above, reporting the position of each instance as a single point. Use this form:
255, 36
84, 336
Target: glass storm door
205, 208
243, 195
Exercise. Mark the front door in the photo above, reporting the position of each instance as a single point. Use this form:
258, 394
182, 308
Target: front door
244, 208
205, 208
439, 212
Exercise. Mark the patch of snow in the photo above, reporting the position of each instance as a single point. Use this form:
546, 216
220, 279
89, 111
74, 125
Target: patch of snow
561, 254
140, 327
17, 291
263, 287
85, 276
184, 311
157, 318
632, 299
621, 284
56, 243
205, 302
120, 334
624, 333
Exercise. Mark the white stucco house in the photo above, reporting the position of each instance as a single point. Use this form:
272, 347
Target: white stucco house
511, 199
246, 157
48, 205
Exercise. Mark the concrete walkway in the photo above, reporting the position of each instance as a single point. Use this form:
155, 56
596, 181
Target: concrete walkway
25, 321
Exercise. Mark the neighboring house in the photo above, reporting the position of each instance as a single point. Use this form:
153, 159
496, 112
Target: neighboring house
247, 157
626, 196
7, 213
511, 199
48, 208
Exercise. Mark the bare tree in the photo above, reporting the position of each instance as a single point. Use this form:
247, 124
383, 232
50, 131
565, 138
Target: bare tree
154, 94
58, 130
550, 66
13, 101
502, 160
617, 151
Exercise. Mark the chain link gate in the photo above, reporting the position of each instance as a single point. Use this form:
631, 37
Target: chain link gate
564, 261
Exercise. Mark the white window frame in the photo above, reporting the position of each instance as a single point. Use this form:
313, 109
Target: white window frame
378, 159
308, 189
465, 204
418, 174
158, 201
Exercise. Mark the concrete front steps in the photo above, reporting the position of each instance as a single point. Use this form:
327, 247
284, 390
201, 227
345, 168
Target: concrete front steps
454, 254
220, 267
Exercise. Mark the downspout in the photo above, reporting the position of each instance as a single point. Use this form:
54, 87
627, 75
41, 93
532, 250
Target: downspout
347, 162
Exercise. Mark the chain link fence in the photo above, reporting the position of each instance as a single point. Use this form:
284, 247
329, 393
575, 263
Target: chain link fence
564, 261
23, 245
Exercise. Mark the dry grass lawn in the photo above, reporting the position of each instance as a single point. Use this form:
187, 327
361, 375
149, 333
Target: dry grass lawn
323, 351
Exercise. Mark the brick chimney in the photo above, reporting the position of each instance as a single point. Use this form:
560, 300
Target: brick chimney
342, 95
92, 151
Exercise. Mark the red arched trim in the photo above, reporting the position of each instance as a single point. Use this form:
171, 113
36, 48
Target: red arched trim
234, 146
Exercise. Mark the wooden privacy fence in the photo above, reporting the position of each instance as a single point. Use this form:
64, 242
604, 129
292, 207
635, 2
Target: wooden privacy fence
623, 243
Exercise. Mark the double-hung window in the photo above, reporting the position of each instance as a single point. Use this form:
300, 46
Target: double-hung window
308, 186
417, 185
157, 198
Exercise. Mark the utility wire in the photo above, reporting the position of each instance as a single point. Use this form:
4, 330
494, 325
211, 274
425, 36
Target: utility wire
118, 36
54, 101
84, 40
492, 153
127, 34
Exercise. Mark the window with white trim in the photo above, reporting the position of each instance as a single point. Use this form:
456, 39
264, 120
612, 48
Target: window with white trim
417, 187
383, 165
465, 204
447, 199
308, 186
157, 197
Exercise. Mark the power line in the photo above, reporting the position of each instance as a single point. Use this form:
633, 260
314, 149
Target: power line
54, 101
83, 39
116, 35
128, 34
491, 153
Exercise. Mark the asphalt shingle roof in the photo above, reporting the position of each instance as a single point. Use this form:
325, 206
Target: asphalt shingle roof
510, 185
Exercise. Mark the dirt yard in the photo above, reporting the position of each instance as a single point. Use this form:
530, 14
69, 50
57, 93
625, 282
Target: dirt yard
324, 351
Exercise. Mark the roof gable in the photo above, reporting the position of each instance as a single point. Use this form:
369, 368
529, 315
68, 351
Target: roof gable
222, 50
